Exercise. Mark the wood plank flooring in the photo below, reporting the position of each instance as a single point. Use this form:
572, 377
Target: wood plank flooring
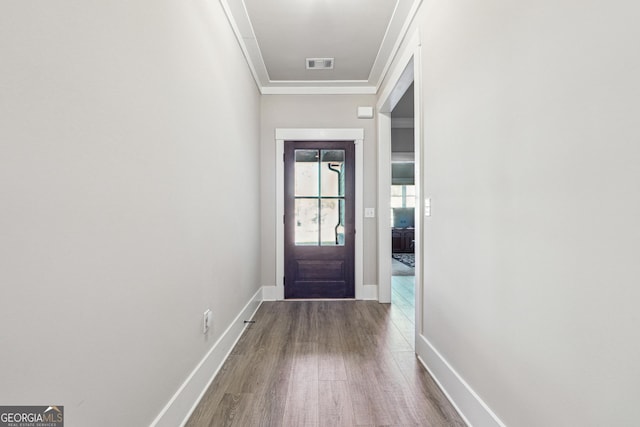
324, 363
402, 308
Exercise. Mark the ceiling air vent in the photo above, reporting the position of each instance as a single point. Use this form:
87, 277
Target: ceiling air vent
319, 63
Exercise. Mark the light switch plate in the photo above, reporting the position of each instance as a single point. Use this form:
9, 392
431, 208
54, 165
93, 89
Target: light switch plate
369, 212
427, 206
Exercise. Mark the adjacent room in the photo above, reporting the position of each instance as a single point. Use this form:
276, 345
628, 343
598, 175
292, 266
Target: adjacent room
403, 202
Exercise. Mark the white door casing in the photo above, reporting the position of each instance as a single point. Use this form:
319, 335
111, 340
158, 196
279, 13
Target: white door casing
406, 71
355, 135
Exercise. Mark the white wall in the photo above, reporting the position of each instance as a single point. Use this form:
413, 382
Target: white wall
314, 111
402, 140
530, 117
129, 170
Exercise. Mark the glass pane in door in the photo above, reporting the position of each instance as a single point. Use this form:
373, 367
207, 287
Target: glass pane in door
332, 222
306, 173
332, 173
307, 222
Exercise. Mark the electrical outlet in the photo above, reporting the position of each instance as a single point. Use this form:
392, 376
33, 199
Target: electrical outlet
206, 321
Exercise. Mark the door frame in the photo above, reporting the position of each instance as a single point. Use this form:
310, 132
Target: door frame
407, 69
333, 274
308, 134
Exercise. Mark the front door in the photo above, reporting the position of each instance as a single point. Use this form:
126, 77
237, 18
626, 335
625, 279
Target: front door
319, 219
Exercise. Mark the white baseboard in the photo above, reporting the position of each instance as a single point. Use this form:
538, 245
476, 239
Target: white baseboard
469, 405
185, 400
269, 293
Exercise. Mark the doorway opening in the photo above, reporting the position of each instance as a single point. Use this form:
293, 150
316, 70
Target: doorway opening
405, 74
402, 212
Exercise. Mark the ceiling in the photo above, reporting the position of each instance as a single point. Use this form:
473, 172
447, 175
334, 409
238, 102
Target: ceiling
278, 35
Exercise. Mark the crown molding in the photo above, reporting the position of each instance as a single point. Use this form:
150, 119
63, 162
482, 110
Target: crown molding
318, 90
415, 5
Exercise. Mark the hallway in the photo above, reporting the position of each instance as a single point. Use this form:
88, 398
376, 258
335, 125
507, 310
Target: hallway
324, 363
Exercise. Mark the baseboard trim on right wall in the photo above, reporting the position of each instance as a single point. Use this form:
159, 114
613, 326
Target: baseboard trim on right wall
469, 405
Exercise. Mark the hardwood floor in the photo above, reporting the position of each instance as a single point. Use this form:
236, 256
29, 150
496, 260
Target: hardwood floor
323, 363
402, 308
